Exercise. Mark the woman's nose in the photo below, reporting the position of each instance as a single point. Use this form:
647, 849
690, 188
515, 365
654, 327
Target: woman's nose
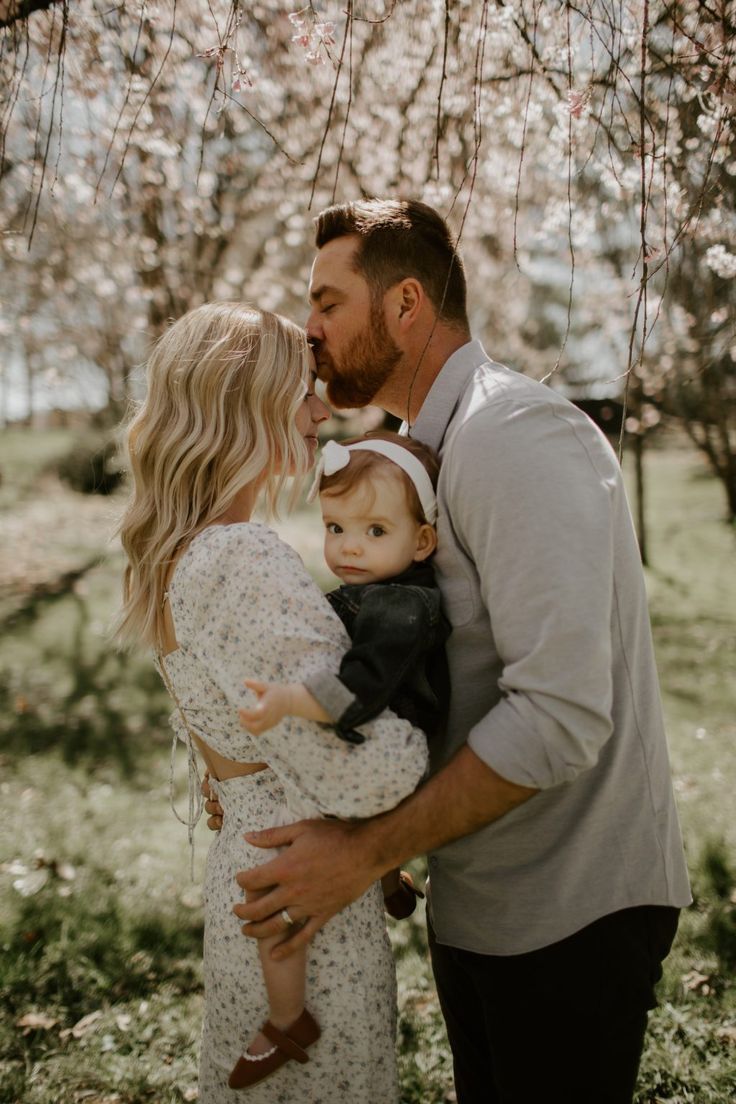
319, 410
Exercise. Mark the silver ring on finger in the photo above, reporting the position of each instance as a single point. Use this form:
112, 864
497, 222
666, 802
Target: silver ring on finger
286, 918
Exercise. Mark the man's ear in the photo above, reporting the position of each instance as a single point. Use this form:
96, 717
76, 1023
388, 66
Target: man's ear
408, 297
426, 542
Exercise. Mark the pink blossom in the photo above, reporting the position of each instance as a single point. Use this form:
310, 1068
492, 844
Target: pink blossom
304, 40
295, 18
315, 58
575, 103
326, 31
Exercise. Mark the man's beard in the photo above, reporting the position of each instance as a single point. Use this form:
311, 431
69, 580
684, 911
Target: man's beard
364, 367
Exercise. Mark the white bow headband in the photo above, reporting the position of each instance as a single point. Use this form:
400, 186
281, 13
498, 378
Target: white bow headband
335, 457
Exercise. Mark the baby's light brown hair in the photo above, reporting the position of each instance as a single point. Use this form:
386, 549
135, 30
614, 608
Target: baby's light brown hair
364, 464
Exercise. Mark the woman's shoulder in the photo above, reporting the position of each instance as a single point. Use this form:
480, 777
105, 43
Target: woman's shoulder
227, 569
223, 542
242, 550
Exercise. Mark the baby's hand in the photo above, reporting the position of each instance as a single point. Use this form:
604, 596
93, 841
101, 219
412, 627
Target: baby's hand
274, 702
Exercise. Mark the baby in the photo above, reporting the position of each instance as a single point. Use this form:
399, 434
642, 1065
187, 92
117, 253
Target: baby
379, 509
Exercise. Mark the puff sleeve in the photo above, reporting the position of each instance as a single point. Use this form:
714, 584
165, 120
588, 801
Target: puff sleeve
253, 611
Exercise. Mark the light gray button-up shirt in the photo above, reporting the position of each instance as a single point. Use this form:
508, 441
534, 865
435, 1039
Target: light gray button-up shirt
551, 664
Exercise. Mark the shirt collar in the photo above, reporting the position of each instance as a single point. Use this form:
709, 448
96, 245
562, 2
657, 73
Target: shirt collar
445, 394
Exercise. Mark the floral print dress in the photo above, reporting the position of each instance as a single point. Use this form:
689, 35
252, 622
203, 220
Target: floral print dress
244, 606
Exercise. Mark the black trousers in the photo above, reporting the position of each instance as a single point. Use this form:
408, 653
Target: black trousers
562, 1024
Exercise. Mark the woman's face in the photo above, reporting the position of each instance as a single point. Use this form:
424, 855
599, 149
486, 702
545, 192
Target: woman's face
309, 415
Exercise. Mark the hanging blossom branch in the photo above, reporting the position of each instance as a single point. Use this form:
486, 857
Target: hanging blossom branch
443, 77
314, 35
470, 171
39, 122
384, 18
149, 90
57, 83
219, 52
242, 78
517, 191
326, 131
13, 98
341, 150
125, 102
60, 84
575, 105
642, 295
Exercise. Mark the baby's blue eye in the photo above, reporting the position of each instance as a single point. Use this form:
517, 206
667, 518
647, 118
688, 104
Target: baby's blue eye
333, 528
377, 530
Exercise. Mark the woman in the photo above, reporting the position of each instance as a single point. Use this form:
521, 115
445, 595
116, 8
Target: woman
229, 416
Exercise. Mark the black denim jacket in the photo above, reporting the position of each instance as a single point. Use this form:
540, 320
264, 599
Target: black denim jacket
397, 658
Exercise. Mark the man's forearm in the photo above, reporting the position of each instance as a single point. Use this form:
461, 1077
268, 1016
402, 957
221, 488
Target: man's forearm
460, 799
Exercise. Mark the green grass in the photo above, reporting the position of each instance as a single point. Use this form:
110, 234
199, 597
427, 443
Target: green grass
114, 931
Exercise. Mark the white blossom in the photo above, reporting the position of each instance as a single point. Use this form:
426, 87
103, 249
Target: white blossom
721, 261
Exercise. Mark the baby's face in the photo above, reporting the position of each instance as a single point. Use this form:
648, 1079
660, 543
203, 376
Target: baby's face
370, 534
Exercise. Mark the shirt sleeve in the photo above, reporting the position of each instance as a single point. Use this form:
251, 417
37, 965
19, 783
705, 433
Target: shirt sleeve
531, 492
261, 616
394, 627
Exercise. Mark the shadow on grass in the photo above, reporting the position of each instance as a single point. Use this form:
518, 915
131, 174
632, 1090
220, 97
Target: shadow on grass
70, 955
89, 702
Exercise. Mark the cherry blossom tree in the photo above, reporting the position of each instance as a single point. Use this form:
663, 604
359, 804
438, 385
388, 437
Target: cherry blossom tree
161, 153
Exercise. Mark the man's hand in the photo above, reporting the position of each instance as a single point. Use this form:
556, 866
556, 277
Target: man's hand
326, 866
274, 703
212, 807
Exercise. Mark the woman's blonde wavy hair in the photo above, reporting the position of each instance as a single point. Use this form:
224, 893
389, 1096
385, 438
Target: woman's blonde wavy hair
225, 383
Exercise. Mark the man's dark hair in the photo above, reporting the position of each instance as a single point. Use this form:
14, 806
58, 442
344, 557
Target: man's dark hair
401, 238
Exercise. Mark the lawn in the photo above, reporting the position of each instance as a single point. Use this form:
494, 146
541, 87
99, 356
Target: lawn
100, 924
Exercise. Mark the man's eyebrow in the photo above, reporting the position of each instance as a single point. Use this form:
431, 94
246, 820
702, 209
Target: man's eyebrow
324, 289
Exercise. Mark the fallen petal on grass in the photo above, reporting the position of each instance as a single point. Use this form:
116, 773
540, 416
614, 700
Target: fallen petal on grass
36, 1021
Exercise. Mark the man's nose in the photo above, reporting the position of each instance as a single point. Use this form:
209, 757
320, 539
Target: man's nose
313, 328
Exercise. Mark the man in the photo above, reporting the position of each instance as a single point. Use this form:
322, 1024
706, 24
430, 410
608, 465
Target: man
556, 863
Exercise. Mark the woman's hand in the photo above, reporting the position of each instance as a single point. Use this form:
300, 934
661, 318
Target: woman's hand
274, 703
325, 866
212, 807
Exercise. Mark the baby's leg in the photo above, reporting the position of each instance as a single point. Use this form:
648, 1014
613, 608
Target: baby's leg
290, 1026
285, 985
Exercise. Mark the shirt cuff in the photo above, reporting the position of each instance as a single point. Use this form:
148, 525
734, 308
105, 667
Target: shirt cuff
518, 744
332, 695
